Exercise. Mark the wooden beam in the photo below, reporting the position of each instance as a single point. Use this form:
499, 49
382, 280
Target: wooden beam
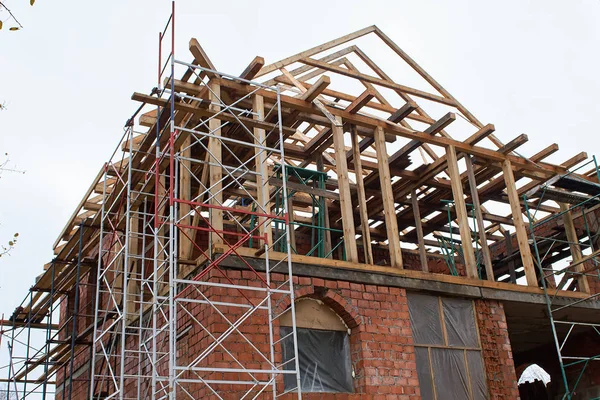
315, 50
387, 197
262, 187
67, 228
362, 200
513, 144
553, 148
419, 229
434, 128
209, 112
344, 189
315, 90
522, 239
485, 250
185, 192
360, 102
541, 170
252, 69
215, 169
320, 106
200, 57
576, 159
582, 281
377, 81
403, 112
461, 212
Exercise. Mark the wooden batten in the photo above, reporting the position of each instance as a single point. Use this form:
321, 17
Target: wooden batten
215, 171
485, 250
461, 212
522, 239
387, 197
419, 229
344, 189
362, 201
575, 249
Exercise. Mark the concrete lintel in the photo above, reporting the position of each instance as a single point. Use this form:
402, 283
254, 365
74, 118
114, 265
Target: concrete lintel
441, 288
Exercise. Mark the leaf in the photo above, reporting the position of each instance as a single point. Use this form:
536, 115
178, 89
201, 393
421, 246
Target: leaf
11, 243
0, 24
17, 234
32, 2
14, 28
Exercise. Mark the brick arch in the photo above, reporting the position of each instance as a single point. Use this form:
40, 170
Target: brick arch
342, 306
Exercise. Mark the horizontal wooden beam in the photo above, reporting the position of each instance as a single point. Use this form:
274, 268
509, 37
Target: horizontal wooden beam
252, 69
378, 81
315, 90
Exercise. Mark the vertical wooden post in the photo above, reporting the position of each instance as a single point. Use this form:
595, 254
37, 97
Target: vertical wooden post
389, 210
362, 199
215, 170
133, 283
419, 229
344, 189
522, 239
262, 186
199, 199
485, 250
185, 192
582, 281
509, 250
327, 247
461, 212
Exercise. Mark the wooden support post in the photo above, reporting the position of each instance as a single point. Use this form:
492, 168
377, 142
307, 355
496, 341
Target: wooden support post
215, 170
163, 202
327, 247
509, 250
344, 189
262, 186
582, 281
185, 193
522, 239
419, 229
133, 287
362, 200
461, 212
387, 195
199, 198
485, 250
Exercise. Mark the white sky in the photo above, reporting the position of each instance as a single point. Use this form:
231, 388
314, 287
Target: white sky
528, 67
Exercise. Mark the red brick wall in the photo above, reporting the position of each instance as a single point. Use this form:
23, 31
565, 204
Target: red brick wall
496, 350
381, 342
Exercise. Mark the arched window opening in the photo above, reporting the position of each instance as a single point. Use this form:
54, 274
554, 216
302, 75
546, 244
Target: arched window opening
323, 348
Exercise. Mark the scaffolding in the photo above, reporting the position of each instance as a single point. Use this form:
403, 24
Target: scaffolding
185, 238
175, 204
147, 299
580, 251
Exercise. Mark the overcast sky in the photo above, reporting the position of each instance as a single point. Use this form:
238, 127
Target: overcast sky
67, 77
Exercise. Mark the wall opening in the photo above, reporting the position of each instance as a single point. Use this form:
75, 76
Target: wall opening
534, 383
323, 348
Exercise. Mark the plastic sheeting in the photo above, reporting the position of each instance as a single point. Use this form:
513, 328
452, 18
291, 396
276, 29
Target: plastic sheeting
424, 314
450, 374
460, 322
447, 373
477, 374
324, 358
424, 373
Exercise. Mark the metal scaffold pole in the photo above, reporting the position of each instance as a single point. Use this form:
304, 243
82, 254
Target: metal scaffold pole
574, 275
